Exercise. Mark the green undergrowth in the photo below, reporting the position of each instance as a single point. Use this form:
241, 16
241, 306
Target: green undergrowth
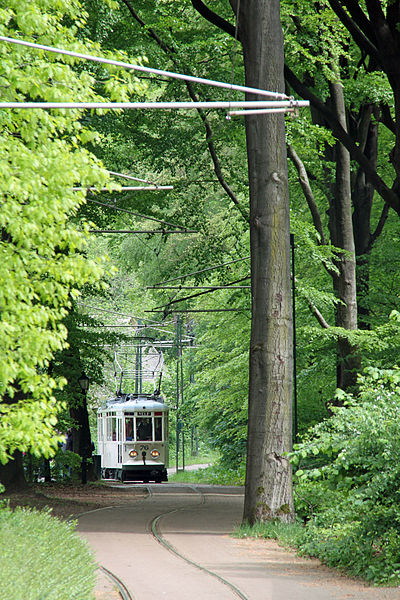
41, 558
347, 485
345, 546
205, 456
213, 475
288, 535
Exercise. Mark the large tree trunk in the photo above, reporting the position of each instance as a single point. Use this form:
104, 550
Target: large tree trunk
81, 437
268, 479
12, 474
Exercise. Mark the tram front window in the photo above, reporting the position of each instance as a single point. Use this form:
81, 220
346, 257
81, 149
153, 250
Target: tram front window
143, 429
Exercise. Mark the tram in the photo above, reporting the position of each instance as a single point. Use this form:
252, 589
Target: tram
133, 438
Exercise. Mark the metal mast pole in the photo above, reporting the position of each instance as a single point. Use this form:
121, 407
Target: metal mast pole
178, 322
295, 432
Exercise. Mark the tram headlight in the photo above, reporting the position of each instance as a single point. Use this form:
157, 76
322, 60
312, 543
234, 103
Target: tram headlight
155, 453
133, 454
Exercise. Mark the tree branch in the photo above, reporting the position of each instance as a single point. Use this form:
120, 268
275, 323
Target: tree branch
339, 132
317, 314
364, 42
306, 187
150, 32
392, 16
379, 227
209, 134
360, 18
387, 119
213, 17
375, 12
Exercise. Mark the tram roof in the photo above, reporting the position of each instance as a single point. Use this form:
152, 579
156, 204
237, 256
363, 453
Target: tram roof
131, 402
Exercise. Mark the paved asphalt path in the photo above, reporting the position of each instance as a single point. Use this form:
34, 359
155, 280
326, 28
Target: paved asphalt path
175, 545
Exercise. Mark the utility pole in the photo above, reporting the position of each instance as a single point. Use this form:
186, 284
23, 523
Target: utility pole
179, 394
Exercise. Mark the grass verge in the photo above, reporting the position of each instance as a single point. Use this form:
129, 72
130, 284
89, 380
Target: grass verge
213, 475
288, 535
41, 557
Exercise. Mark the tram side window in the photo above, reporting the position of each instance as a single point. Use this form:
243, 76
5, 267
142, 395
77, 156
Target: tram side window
143, 429
111, 429
129, 429
158, 429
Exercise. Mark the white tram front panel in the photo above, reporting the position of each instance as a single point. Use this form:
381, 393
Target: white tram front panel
133, 439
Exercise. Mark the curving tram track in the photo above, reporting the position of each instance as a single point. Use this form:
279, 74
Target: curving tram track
175, 545
177, 567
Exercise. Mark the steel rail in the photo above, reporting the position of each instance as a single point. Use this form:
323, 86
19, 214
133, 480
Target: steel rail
122, 589
161, 540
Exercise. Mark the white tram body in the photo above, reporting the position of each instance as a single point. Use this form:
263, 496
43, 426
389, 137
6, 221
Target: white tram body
133, 438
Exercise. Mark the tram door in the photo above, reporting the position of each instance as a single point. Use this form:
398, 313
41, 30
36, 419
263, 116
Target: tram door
112, 440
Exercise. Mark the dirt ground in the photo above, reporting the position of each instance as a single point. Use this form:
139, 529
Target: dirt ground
67, 501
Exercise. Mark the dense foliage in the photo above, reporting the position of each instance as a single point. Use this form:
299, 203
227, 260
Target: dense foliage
347, 464
42, 267
348, 477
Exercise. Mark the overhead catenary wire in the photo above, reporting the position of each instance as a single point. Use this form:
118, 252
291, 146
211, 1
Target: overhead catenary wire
231, 262
115, 312
132, 188
200, 287
135, 214
144, 69
198, 310
146, 231
154, 325
131, 177
195, 295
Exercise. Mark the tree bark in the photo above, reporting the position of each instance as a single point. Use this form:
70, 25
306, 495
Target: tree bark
377, 34
341, 228
12, 474
268, 478
363, 194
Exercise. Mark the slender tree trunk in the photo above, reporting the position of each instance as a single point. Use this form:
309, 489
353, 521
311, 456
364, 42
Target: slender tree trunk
363, 194
268, 478
341, 228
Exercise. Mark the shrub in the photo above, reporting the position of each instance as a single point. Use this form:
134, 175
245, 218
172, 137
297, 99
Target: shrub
64, 466
348, 482
42, 558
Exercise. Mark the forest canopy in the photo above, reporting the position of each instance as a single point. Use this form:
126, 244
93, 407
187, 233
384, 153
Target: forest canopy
197, 256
